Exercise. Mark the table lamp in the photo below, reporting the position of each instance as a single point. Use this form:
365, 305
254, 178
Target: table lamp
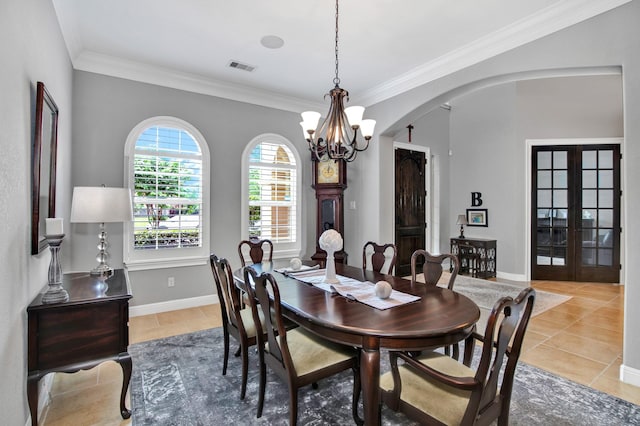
99, 204
462, 221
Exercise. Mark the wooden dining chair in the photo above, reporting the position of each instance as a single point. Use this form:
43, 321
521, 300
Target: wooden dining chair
255, 250
432, 267
296, 356
376, 256
237, 320
436, 389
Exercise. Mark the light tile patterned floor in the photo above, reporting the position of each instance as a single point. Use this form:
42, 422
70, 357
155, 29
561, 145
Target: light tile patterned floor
580, 339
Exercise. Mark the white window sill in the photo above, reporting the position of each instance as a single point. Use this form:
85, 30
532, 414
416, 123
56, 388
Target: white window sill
143, 265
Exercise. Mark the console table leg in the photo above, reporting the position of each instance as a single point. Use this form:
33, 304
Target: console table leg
32, 397
124, 359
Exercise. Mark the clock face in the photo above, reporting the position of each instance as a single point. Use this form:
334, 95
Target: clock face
328, 171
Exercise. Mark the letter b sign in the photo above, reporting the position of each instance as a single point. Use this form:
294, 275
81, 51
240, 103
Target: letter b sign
476, 199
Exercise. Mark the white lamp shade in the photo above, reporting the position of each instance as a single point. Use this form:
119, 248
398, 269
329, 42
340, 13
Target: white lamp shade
99, 204
354, 115
462, 220
310, 120
366, 127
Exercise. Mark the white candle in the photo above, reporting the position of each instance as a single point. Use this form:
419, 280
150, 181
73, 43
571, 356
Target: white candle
54, 226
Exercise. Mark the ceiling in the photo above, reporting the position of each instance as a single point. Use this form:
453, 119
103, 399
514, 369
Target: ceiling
386, 47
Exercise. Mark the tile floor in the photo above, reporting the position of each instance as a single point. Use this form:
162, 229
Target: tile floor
580, 339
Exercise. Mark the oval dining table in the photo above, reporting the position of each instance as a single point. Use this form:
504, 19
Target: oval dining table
440, 318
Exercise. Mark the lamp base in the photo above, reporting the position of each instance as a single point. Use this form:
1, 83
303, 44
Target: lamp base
102, 269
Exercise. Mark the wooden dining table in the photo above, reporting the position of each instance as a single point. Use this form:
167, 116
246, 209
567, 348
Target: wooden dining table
440, 317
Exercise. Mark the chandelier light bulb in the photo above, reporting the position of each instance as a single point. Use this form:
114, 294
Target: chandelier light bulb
366, 127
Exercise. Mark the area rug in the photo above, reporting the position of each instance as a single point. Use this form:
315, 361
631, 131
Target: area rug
178, 381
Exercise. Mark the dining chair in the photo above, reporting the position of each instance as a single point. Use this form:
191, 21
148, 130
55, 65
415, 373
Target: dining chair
437, 389
237, 320
376, 255
432, 267
256, 250
296, 356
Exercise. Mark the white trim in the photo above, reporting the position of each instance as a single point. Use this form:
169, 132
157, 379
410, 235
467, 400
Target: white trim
629, 375
530, 143
547, 21
511, 277
429, 199
172, 305
280, 250
168, 258
144, 265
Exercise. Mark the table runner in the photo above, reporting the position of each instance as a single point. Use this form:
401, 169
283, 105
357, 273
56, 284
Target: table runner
353, 289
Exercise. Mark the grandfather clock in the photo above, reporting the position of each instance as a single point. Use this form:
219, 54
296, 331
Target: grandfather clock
329, 181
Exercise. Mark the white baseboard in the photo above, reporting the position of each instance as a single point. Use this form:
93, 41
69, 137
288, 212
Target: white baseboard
630, 375
510, 276
172, 305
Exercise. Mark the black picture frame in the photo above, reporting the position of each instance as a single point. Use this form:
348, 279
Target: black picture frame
43, 166
477, 217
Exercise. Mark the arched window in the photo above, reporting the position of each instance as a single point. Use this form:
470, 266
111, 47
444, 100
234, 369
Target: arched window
271, 193
167, 163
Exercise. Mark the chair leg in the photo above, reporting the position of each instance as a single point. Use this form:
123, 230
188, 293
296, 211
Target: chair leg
263, 385
293, 406
237, 354
357, 389
245, 370
225, 362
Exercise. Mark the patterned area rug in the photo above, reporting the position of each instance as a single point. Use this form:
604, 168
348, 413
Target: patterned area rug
178, 381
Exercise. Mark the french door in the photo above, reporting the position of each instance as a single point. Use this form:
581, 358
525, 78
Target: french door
575, 222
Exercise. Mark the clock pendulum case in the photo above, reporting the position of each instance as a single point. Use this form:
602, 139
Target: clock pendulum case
329, 182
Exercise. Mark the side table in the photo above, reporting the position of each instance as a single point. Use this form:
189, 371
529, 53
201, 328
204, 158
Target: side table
487, 254
90, 328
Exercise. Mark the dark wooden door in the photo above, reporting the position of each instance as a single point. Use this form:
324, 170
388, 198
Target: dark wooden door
576, 213
410, 197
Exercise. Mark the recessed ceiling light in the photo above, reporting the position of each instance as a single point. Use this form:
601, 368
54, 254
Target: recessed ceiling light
272, 42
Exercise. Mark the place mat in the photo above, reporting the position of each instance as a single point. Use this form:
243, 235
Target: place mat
355, 290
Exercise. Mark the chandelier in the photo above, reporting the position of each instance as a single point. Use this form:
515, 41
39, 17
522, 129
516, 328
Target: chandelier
337, 137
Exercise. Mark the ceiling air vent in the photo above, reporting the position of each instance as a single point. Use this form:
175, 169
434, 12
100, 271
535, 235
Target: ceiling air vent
241, 66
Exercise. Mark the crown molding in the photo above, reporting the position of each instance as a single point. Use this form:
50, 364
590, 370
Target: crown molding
137, 71
543, 23
549, 20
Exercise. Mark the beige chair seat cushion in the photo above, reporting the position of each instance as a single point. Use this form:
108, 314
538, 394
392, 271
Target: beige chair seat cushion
247, 319
442, 402
310, 353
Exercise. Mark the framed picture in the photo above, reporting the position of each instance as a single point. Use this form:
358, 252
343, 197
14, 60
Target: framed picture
477, 217
43, 166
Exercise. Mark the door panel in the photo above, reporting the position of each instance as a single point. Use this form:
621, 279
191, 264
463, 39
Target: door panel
410, 210
576, 210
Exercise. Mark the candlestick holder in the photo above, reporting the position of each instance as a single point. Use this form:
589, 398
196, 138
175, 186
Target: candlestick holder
55, 293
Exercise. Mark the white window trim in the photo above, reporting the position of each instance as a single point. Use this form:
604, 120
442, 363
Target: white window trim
280, 250
170, 258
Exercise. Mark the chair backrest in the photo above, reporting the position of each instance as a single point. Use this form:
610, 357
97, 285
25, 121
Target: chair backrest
255, 250
378, 255
502, 340
432, 267
228, 293
264, 294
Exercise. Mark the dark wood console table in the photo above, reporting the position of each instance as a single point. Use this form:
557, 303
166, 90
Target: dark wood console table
486, 250
90, 328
